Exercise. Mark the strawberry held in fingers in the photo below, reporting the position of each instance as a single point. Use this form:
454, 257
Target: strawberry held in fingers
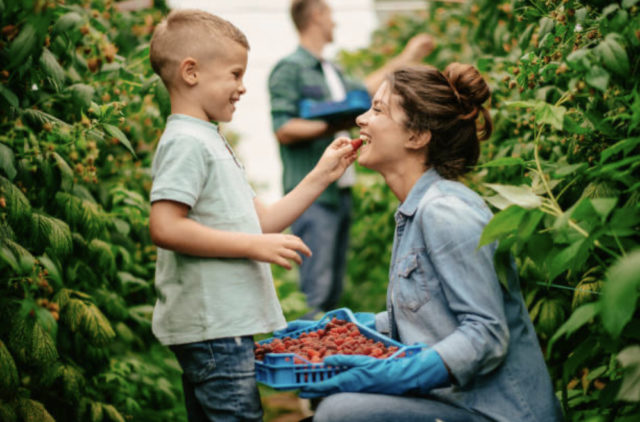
356, 143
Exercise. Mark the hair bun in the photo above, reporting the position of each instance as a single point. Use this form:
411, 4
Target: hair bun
472, 92
468, 85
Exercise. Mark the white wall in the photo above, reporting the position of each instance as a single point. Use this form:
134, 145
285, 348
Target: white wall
267, 25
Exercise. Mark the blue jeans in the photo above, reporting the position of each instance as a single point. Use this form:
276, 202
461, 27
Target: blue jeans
219, 380
325, 230
364, 407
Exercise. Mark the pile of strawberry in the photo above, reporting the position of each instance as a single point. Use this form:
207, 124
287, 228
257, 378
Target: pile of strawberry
338, 337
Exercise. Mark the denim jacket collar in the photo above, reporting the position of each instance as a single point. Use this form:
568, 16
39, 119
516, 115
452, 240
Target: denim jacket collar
410, 204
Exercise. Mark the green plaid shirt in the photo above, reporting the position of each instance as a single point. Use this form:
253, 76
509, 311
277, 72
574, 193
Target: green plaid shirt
296, 77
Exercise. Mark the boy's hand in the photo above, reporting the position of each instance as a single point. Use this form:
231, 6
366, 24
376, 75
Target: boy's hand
336, 158
279, 249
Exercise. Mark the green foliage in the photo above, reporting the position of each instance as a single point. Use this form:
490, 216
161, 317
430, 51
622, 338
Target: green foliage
76, 263
8, 372
560, 171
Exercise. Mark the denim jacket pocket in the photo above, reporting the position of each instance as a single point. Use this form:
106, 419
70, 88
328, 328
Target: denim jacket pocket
196, 360
411, 285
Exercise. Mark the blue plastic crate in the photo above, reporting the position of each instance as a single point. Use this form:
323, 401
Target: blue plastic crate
279, 371
355, 103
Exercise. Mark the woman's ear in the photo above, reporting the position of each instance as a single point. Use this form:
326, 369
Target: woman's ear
419, 140
188, 71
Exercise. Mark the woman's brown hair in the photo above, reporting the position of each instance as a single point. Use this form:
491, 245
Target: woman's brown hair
447, 104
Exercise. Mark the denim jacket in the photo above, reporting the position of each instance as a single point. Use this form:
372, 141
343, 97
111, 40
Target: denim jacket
444, 292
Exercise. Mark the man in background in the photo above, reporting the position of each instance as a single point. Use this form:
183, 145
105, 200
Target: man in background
305, 74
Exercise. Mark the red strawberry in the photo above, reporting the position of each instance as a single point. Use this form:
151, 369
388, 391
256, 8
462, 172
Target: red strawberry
356, 143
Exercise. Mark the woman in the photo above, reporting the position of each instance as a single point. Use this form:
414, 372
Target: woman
483, 362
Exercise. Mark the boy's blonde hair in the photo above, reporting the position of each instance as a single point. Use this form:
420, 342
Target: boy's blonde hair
188, 33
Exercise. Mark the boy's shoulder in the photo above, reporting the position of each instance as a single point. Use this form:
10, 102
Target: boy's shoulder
185, 132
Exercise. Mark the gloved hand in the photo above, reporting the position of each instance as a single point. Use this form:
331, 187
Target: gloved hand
299, 324
418, 373
368, 319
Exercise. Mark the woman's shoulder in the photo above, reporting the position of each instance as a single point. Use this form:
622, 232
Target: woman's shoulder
452, 199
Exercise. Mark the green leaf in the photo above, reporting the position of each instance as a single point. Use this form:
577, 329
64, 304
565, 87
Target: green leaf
604, 206
578, 318
628, 3
598, 78
502, 224
103, 258
39, 117
52, 270
82, 94
609, 9
50, 64
529, 224
579, 60
619, 297
96, 326
9, 258
117, 133
6, 161
625, 146
581, 14
82, 214
8, 95
504, 162
67, 22
551, 115
26, 261
613, 55
53, 232
66, 173
518, 195
572, 126
22, 45
46, 321
18, 208
629, 359
571, 257
112, 413
569, 169
545, 113
546, 25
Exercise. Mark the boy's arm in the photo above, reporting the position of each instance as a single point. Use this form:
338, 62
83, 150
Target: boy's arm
278, 216
170, 228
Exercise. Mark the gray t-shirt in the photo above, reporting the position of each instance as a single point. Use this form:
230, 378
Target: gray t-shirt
207, 298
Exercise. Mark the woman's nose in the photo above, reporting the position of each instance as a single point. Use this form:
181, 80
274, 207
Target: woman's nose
360, 120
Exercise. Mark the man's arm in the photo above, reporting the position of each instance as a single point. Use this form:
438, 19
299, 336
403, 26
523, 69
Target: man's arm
171, 229
300, 130
417, 48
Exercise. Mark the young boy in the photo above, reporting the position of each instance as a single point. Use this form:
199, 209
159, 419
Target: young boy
215, 239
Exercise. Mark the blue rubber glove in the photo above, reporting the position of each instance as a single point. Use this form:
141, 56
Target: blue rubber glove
299, 324
416, 374
368, 319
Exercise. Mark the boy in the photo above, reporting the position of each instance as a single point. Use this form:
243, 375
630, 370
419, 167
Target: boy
215, 239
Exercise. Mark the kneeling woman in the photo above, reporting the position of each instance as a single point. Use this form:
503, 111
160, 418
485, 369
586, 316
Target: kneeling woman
483, 361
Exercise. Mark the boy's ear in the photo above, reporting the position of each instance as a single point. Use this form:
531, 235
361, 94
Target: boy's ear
189, 71
418, 140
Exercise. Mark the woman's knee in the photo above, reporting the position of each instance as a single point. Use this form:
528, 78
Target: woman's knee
342, 407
